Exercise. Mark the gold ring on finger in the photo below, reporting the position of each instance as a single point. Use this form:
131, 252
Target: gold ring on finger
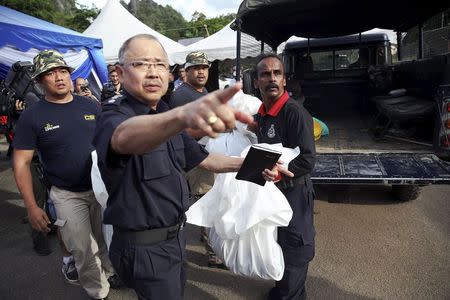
212, 119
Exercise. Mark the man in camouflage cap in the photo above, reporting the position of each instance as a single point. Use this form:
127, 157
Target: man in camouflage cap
197, 71
196, 58
47, 60
200, 180
61, 127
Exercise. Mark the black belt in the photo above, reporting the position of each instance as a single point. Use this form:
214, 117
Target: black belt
150, 236
290, 182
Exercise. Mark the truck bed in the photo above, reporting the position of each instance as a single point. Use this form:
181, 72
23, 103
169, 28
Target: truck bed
352, 155
382, 168
352, 133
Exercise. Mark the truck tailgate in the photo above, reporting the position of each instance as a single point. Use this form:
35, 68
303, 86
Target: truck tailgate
380, 168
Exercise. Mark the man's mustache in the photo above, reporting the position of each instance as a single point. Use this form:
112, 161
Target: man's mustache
271, 85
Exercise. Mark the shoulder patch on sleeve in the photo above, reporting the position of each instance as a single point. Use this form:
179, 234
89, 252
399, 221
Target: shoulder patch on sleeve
118, 103
113, 102
116, 99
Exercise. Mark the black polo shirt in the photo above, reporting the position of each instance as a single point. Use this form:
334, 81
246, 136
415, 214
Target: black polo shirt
289, 123
145, 191
184, 94
62, 134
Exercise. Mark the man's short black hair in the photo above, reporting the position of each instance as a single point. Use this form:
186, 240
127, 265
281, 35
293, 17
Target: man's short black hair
262, 56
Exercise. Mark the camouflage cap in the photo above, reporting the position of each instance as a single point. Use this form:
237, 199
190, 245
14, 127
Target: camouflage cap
47, 60
195, 59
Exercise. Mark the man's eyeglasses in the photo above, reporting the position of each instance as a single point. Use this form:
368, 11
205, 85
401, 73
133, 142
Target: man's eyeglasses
145, 66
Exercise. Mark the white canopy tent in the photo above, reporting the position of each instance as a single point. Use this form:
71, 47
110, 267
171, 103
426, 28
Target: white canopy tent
222, 45
114, 25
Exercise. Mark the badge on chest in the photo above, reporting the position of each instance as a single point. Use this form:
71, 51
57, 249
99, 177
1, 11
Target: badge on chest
271, 132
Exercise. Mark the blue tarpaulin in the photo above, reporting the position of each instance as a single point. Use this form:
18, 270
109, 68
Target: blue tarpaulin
22, 36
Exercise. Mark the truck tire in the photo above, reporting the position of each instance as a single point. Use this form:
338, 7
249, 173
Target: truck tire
406, 193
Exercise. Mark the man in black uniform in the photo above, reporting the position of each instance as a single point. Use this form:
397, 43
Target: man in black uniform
143, 151
281, 119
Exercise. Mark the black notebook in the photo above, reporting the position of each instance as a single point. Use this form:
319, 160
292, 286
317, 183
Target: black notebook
258, 158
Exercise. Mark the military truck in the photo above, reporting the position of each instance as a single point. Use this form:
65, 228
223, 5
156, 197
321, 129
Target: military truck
389, 123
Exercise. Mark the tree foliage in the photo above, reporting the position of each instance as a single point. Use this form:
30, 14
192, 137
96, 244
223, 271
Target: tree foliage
164, 19
168, 21
217, 23
61, 12
82, 18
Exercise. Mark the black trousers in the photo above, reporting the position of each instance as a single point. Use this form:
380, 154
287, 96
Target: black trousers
296, 259
156, 271
297, 242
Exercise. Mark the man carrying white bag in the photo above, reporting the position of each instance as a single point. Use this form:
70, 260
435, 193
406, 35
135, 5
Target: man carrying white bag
244, 216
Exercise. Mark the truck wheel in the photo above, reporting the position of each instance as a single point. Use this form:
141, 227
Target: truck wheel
406, 192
